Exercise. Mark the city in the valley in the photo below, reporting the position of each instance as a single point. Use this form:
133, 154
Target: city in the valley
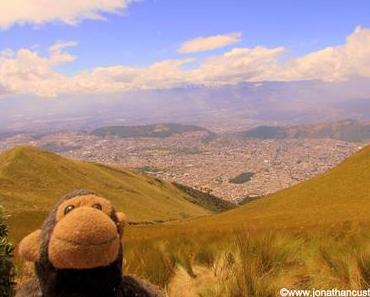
228, 166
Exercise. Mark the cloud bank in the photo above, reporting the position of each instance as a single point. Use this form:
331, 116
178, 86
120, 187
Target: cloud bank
38, 12
27, 72
202, 44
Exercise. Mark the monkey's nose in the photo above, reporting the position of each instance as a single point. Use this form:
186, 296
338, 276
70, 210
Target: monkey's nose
86, 226
85, 238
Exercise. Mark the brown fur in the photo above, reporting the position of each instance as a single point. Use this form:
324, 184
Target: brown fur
28, 249
79, 253
85, 238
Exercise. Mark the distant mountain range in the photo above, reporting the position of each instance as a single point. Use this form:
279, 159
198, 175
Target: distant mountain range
346, 130
222, 108
154, 130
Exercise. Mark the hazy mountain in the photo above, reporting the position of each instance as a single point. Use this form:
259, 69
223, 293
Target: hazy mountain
347, 130
154, 130
233, 107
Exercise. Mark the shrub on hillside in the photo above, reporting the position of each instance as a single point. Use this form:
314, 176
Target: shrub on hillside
6, 265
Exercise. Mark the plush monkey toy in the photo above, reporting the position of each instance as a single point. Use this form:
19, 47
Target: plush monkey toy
78, 252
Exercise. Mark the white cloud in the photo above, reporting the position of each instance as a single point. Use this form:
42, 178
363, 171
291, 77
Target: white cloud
165, 74
202, 44
43, 11
61, 44
58, 56
238, 65
343, 62
27, 72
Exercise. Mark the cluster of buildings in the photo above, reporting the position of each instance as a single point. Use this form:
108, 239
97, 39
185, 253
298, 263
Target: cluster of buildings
203, 163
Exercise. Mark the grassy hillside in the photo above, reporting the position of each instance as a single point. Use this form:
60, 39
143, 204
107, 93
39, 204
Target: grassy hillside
341, 194
313, 235
154, 130
31, 180
338, 197
206, 200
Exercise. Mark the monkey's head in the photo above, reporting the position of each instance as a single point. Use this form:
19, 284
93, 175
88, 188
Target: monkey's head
82, 232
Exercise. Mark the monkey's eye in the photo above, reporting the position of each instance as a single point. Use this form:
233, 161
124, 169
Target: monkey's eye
68, 209
97, 206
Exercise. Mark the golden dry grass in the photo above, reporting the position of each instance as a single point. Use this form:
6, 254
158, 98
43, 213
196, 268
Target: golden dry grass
312, 235
32, 180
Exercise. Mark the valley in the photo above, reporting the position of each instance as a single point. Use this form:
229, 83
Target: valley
202, 160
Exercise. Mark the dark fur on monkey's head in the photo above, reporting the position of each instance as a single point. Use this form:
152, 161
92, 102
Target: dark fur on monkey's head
78, 251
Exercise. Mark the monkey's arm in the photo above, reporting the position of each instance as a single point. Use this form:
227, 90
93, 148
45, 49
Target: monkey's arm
132, 286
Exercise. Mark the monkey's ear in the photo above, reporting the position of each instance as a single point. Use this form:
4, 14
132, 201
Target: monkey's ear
29, 247
121, 217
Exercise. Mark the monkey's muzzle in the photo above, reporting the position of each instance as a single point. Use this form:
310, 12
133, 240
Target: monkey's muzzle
85, 238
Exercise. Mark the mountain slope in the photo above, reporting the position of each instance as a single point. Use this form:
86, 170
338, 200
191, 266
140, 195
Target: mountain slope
206, 200
342, 194
31, 180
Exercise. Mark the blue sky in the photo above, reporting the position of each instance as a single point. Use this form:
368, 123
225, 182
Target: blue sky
142, 33
151, 30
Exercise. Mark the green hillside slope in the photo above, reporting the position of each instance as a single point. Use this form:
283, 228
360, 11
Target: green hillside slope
312, 235
32, 180
342, 194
